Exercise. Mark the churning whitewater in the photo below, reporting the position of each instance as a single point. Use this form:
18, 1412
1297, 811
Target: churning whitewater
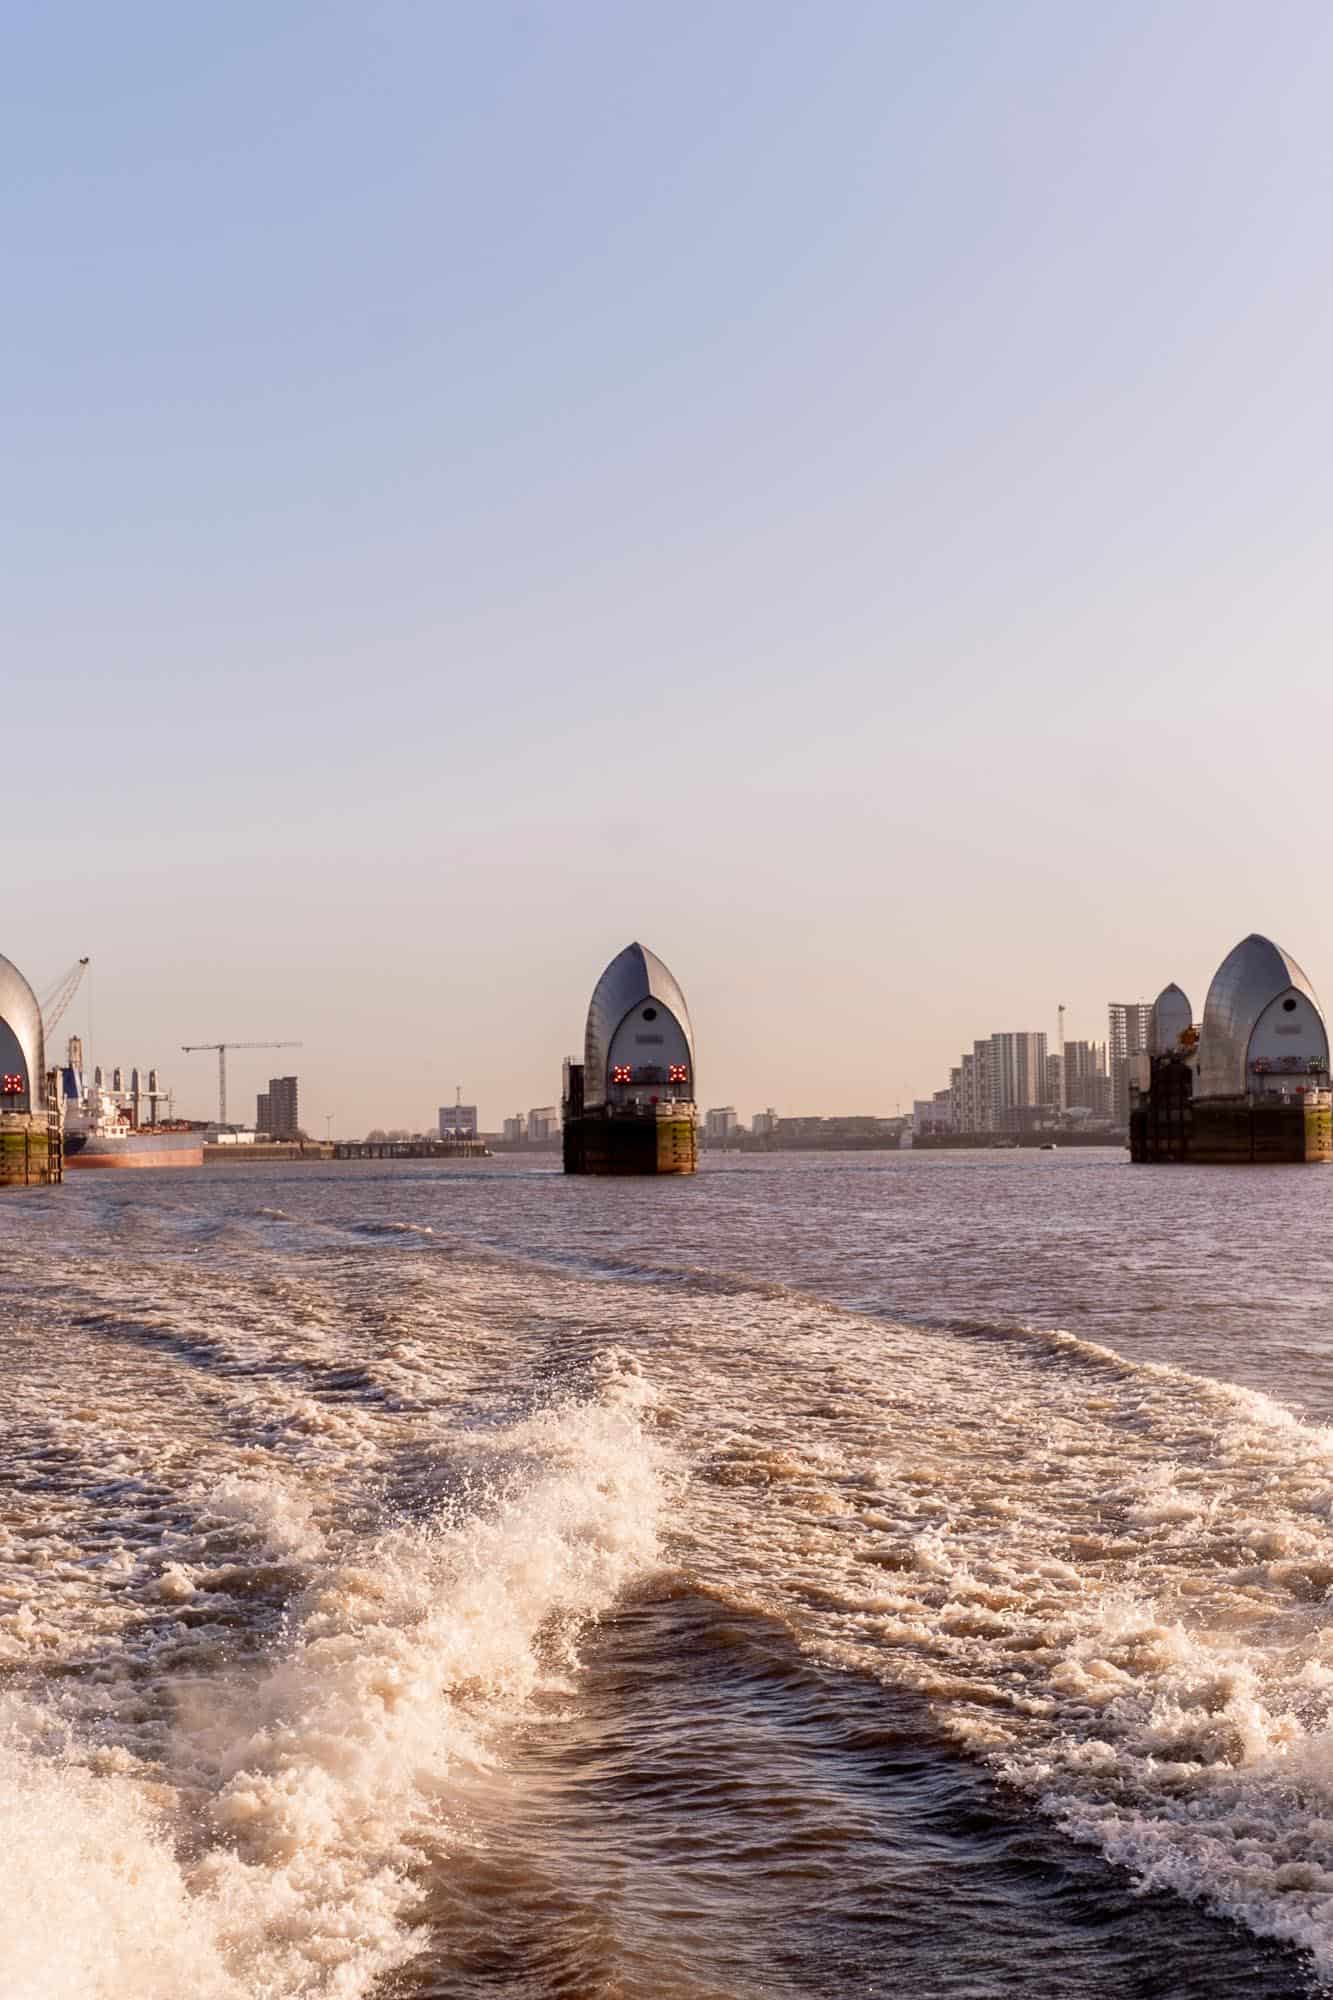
424, 1581
261, 1638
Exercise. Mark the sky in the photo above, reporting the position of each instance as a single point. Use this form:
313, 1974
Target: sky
840, 493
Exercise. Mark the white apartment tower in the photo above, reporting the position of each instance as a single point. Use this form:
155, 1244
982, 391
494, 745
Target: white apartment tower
1129, 1033
1017, 1077
1087, 1084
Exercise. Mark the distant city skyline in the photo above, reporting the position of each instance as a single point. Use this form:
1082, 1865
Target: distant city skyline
864, 1100
831, 496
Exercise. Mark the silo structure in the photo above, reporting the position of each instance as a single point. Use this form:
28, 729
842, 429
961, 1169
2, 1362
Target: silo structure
629, 1106
30, 1147
1255, 1089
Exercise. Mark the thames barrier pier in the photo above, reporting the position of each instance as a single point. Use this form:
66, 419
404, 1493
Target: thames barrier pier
629, 1105
31, 1152
1250, 1086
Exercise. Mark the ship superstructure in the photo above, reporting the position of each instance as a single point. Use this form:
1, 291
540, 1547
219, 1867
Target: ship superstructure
629, 1106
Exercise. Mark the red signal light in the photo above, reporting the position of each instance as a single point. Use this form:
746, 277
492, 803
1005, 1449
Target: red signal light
678, 1073
622, 1073
11, 1086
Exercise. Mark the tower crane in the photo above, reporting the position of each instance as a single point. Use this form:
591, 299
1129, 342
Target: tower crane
193, 1048
57, 1000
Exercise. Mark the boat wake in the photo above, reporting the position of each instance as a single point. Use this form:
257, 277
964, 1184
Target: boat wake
290, 1611
1109, 1579
273, 1841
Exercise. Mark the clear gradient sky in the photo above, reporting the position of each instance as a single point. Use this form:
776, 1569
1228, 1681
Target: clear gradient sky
839, 492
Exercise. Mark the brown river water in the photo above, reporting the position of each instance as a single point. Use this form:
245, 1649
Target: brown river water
831, 1575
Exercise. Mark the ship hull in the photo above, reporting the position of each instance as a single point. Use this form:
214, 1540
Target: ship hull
134, 1150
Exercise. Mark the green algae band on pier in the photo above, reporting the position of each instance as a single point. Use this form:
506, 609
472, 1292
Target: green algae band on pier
629, 1106
31, 1153
1250, 1085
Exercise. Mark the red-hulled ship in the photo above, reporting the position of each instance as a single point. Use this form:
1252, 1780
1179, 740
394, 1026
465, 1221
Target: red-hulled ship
103, 1126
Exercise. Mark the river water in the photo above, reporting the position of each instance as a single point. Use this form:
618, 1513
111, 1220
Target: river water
831, 1575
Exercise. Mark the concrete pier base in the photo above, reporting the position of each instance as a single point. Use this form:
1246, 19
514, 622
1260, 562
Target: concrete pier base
31, 1150
634, 1143
1168, 1124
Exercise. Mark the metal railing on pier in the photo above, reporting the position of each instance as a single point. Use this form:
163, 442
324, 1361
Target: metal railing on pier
410, 1149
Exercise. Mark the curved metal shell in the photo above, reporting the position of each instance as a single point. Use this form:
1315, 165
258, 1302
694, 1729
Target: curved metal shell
1247, 982
1171, 1015
636, 975
21, 1038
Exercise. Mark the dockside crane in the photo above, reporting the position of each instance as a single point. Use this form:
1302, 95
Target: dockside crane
57, 1000
194, 1048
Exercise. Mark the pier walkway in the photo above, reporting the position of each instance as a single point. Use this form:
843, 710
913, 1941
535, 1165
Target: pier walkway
410, 1149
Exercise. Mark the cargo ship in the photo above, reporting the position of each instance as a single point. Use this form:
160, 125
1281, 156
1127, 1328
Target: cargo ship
104, 1127
629, 1105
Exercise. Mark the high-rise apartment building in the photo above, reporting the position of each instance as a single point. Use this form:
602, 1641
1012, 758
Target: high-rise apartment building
284, 1116
764, 1123
1129, 1034
721, 1124
981, 1087
967, 1095
1017, 1077
263, 1111
1012, 1083
1087, 1081
973, 1114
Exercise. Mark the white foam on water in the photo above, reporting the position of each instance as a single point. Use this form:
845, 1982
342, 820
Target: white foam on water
96, 1904
276, 1511
394, 1228
1175, 1709
271, 1845
1111, 1581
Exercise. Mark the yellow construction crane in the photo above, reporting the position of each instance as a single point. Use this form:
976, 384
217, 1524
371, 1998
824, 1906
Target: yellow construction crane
193, 1048
58, 999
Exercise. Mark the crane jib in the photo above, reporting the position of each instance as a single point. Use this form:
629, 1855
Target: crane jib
195, 1048
54, 1006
